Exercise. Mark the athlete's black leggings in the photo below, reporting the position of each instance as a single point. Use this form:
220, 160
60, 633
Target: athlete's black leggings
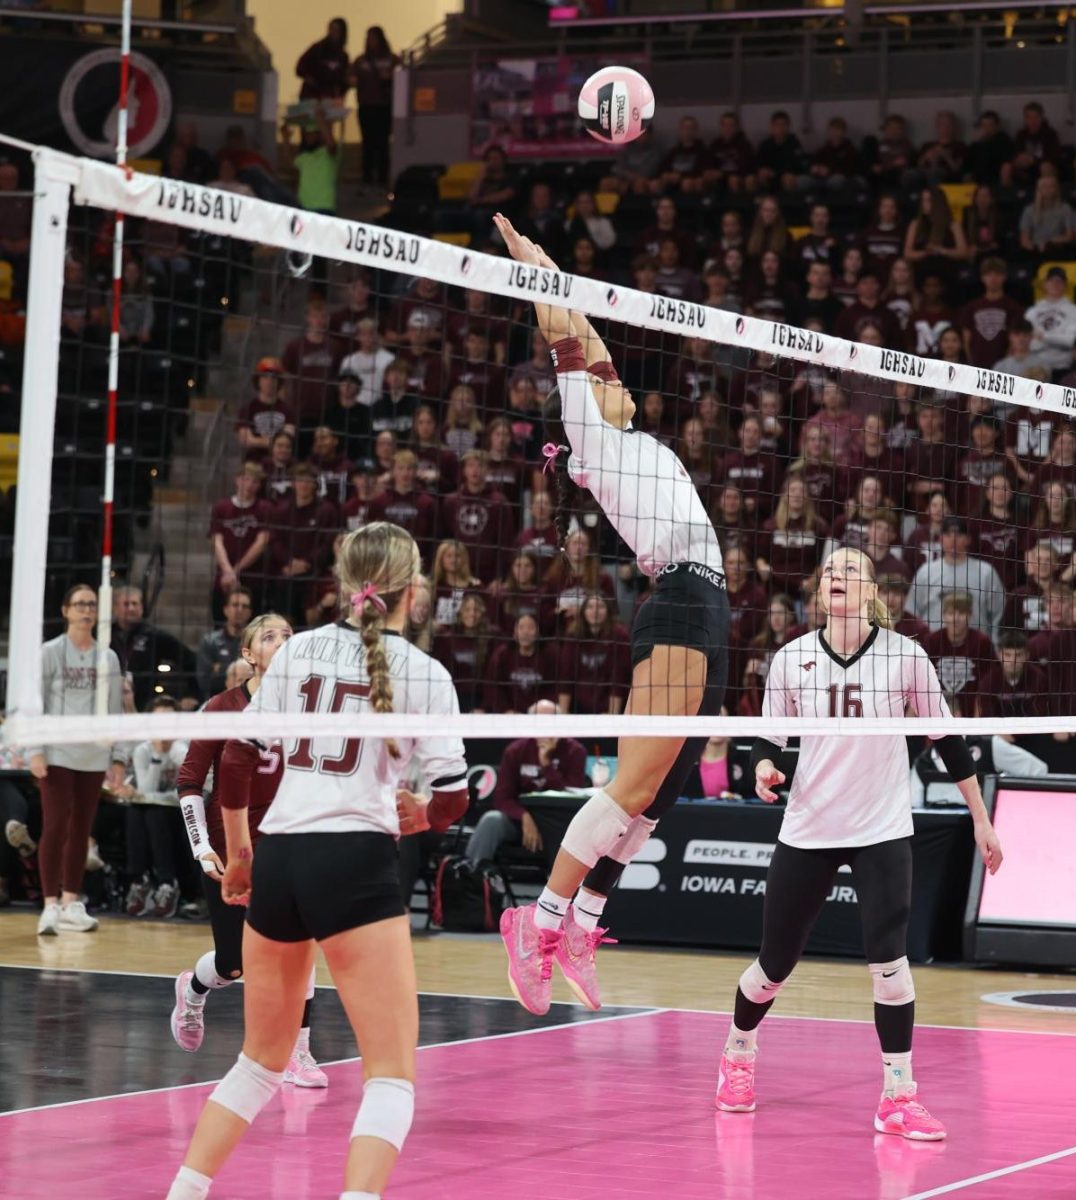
226, 921
796, 889
605, 873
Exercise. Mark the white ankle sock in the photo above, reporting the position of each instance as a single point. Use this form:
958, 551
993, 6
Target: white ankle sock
302, 1042
360, 1196
588, 908
205, 971
189, 1185
742, 1041
551, 909
897, 1070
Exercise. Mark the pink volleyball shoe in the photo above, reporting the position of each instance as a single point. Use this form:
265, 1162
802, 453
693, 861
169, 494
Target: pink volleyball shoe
188, 1020
530, 958
736, 1081
576, 958
903, 1115
302, 1069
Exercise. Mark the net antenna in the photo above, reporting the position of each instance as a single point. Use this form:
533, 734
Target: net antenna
104, 592
59, 178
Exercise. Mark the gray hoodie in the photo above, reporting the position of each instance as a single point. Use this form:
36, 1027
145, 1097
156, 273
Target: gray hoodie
68, 688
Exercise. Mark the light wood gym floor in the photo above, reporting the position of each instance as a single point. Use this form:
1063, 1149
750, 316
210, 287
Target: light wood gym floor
473, 965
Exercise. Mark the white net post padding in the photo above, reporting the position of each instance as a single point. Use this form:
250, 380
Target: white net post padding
54, 176
228, 215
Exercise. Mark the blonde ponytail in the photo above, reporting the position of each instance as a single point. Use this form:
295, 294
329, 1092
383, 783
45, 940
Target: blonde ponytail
375, 566
878, 613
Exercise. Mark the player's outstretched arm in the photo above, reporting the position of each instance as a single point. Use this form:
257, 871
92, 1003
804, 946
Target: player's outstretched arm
555, 323
594, 350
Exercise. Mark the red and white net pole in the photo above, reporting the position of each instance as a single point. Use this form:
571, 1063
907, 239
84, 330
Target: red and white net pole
104, 596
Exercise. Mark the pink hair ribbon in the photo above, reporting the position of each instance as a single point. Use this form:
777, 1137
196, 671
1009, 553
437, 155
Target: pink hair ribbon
551, 450
368, 591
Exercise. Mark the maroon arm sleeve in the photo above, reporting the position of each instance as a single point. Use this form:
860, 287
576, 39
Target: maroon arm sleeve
238, 763
567, 355
195, 770
446, 808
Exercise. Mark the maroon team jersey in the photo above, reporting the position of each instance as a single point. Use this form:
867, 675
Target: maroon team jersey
414, 511
793, 552
962, 669
516, 680
204, 756
988, 322
264, 420
238, 526
593, 671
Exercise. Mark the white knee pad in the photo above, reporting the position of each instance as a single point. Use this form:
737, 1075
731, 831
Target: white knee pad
386, 1111
892, 982
247, 1088
595, 829
757, 986
634, 840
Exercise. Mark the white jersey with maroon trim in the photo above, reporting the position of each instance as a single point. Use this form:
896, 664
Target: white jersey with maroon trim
641, 485
337, 784
850, 792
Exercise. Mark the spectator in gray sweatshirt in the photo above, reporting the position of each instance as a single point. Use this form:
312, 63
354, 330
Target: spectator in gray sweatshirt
71, 775
957, 571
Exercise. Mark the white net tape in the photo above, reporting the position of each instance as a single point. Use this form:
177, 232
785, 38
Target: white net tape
234, 216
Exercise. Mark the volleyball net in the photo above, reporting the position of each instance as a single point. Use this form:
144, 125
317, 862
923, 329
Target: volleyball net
285, 377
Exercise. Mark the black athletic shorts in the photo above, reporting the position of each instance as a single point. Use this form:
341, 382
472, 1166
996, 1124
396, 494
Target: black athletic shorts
688, 606
315, 885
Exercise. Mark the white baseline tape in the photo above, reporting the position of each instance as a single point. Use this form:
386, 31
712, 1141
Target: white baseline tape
205, 208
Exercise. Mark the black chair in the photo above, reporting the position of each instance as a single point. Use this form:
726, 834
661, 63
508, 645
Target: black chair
518, 865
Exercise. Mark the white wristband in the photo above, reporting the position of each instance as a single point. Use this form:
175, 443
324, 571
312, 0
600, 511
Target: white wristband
193, 809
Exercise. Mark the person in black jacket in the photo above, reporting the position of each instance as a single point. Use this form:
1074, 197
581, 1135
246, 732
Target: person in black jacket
323, 67
148, 654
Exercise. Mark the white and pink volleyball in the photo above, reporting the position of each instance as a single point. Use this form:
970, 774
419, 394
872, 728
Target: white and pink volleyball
616, 104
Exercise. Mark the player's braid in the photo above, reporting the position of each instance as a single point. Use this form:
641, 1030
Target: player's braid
562, 485
375, 567
562, 506
377, 667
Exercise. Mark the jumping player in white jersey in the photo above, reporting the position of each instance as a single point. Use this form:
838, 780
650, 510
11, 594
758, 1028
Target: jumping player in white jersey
848, 806
325, 871
679, 650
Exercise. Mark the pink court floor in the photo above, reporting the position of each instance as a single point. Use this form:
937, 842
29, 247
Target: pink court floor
610, 1110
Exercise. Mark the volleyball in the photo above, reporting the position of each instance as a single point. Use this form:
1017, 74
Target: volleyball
616, 104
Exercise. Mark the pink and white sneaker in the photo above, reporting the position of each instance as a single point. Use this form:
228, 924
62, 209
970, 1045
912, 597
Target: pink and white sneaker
302, 1069
736, 1081
530, 958
188, 1020
903, 1115
576, 957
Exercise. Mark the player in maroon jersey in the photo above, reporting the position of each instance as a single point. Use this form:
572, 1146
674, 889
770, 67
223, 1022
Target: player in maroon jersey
223, 965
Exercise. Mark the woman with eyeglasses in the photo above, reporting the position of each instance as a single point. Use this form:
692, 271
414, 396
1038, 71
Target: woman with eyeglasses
70, 776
